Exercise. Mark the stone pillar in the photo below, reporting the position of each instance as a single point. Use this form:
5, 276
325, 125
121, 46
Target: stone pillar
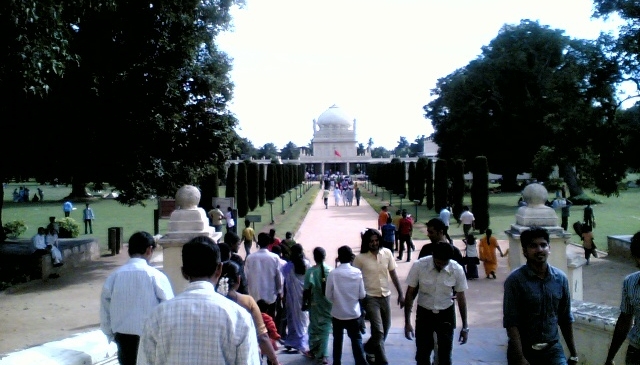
348, 170
322, 168
186, 222
535, 213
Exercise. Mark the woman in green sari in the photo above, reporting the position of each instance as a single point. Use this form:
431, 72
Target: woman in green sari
319, 307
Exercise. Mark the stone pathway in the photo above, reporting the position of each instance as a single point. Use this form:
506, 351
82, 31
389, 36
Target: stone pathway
38, 312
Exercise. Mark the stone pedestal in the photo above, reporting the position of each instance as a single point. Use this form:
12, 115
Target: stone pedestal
535, 213
186, 222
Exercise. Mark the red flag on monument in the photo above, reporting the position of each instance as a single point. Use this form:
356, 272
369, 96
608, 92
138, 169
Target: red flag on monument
335, 152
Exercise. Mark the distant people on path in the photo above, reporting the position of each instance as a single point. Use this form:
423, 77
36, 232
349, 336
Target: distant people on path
41, 194
325, 198
358, 194
286, 245
377, 265
588, 217
445, 217
319, 306
231, 222
396, 222
467, 220
52, 245
248, 237
219, 332
264, 279
88, 216
565, 209
349, 196
405, 230
345, 290
537, 301
67, 207
382, 217
273, 239
388, 232
336, 196
129, 295
297, 320
227, 286
436, 312
588, 243
471, 259
487, 252
216, 217
628, 323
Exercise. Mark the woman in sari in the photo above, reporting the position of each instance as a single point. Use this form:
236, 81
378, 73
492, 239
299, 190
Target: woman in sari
488, 247
297, 319
319, 307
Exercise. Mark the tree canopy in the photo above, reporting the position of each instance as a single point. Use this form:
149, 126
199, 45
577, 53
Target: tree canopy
532, 88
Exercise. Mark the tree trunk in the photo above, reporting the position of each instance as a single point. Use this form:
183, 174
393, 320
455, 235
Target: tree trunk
78, 191
571, 179
509, 182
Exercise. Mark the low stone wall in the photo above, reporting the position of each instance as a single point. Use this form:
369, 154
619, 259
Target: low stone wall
619, 247
593, 330
16, 257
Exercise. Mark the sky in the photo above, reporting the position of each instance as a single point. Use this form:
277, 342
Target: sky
378, 60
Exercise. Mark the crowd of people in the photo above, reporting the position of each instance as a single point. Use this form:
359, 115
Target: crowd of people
21, 195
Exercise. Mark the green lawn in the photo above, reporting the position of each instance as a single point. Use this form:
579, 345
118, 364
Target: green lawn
616, 215
110, 213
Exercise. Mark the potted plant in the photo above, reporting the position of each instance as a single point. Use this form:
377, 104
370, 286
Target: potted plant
69, 228
15, 228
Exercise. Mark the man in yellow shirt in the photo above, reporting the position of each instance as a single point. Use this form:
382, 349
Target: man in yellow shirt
248, 236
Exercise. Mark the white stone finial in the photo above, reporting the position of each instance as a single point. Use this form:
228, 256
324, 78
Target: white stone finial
535, 194
188, 197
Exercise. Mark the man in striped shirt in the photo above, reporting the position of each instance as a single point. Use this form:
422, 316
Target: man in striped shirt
628, 324
129, 295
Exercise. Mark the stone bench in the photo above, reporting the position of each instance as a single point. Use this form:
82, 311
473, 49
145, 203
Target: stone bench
619, 247
17, 260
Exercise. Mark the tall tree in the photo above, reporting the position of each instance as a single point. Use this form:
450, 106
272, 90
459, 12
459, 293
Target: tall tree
253, 185
532, 86
270, 183
429, 184
440, 185
480, 192
380, 152
268, 151
232, 173
412, 181
360, 149
262, 174
457, 187
290, 151
242, 203
402, 149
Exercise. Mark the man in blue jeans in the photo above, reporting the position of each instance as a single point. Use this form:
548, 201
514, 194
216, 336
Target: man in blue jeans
345, 289
536, 301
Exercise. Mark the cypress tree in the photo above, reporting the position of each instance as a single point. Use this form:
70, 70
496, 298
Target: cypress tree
480, 192
252, 185
411, 182
280, 179
457, 187
262, 173
440, 185
402, 178
242, 203
421, 170
429, 184
232, 173
270, 183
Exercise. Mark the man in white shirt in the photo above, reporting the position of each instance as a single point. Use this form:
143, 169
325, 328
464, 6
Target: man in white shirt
445, 216
437, 276
467, 220
199, 326
264, 278
345, 289
129, 295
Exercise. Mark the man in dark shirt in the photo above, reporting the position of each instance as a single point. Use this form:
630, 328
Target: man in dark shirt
536, 302
435, 231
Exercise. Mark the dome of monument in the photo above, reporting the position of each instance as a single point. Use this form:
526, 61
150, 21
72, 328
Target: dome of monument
335, 116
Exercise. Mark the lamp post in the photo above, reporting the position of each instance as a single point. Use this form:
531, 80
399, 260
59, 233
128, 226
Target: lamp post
290, 203
282, 201
382, 198
376, 194
271, 208
297, 196
390, 198
416, 202
401, 197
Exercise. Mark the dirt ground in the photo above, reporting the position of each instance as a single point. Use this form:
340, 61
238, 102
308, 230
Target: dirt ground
38, 312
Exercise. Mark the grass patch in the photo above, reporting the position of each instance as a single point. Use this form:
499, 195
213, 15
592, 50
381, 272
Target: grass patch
614, 215
110, 213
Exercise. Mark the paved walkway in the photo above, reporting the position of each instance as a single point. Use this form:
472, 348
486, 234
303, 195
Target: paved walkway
40, 312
